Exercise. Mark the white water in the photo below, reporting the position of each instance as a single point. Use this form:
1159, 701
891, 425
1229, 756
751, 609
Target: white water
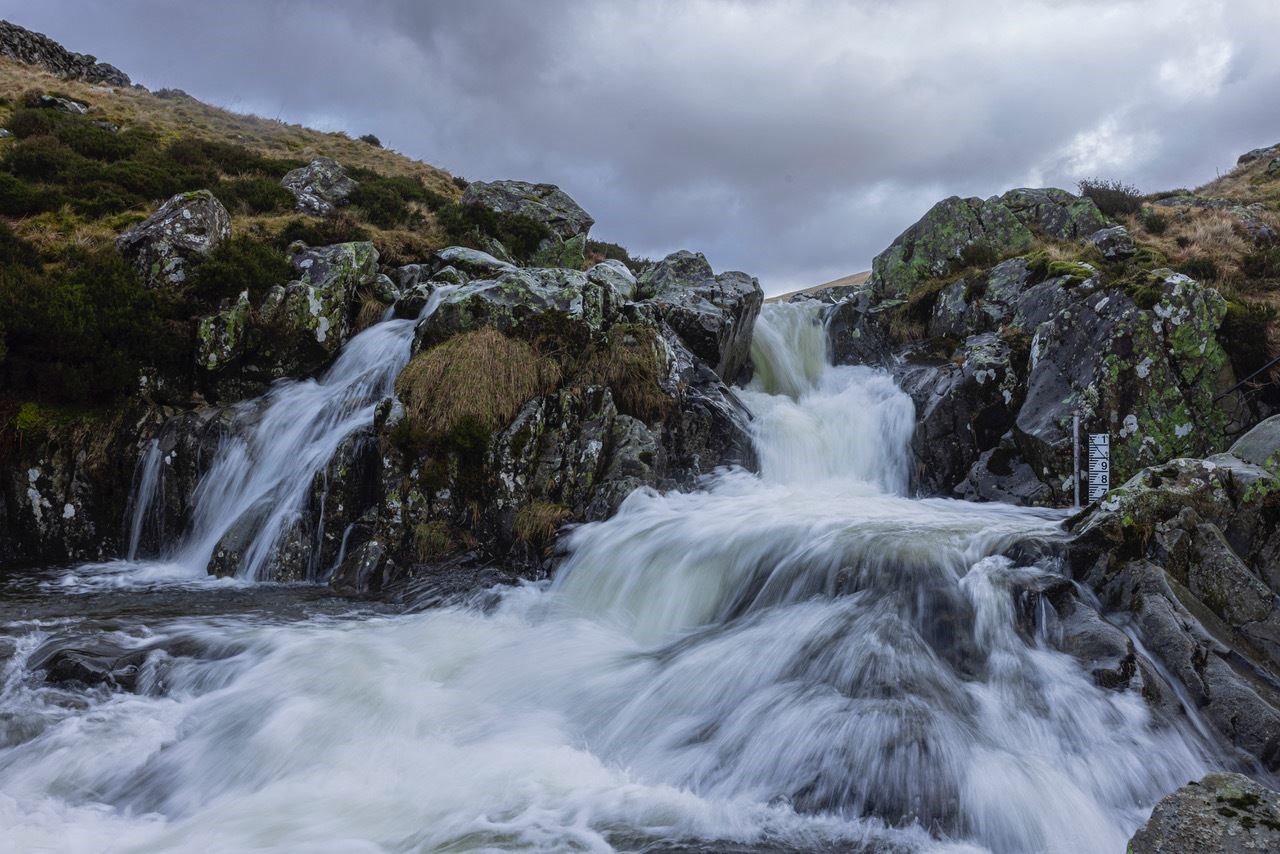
261, 476
804, 659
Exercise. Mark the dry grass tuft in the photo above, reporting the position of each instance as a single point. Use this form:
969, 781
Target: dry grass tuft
472, 384
538, 522
631, 363
370, 312
431, 540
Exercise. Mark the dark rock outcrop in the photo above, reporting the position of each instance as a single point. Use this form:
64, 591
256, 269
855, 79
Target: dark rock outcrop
40, 50
1220, 814
714, 315
186, 227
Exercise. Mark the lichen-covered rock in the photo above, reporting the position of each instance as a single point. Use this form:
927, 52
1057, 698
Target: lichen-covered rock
714, 315
1188, 552
543, 203
1221, 814
522, 299
1146, 377
296, 329
1114, 243
1055, 212
1261, 445
185, 228
937, 243
320, 186
857, 332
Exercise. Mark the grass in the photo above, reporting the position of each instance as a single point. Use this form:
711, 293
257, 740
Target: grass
629, 362
469, 386
537, 523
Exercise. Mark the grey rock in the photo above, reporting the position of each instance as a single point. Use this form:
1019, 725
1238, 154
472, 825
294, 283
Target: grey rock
714, 315
473, 262
62, 105
1055, 212
616, 275
543, 203
1261, 445
1114, 243
1258, 154
1223, 813
185, 228
320, 186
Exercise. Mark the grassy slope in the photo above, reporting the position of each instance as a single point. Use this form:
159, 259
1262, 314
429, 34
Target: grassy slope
170, 116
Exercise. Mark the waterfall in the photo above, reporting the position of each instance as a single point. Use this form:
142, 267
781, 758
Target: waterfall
803, 659
146, 493
259, 479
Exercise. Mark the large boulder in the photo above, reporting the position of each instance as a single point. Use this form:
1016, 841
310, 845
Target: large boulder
953, 232
320, 186
546, 204
181, 231
713, 314
1114, 243
1221, 814
1055, 212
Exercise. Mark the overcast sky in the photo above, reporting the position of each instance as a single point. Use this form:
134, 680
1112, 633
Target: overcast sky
792, 140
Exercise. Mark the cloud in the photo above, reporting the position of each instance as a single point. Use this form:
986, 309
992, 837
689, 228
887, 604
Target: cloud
790, 139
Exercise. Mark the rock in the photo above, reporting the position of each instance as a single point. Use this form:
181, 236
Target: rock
1273, 168
616, 275
472, 262
62, 105
940, 241
1186, 553
181, 231
543, 203
40, 50
522, 300
1146, 377
1221, 814
1258, 154
714, 315
1055, 212
857, 334
1261, 445
296, 329
1114, 243
320, 186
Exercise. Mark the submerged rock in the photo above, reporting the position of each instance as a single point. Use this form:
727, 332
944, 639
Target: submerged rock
1220, 814
183, 229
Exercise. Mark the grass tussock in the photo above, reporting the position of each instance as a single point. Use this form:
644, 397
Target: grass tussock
470, 386
630, 361
537, 523
431, 540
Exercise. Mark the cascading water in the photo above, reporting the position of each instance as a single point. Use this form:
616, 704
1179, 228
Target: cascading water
800, 660
260, 477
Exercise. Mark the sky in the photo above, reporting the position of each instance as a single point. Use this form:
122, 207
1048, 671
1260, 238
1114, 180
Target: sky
792, 140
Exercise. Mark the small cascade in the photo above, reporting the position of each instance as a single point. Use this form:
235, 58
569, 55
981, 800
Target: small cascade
146, 496
256, 487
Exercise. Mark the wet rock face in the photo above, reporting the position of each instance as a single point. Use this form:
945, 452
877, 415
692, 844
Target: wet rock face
1068, 344
319, 187
543, 203
713, 315
40, 50
1220, 814
1189, 553
184, 228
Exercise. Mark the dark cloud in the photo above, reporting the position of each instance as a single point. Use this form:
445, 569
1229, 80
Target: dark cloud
789, 139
